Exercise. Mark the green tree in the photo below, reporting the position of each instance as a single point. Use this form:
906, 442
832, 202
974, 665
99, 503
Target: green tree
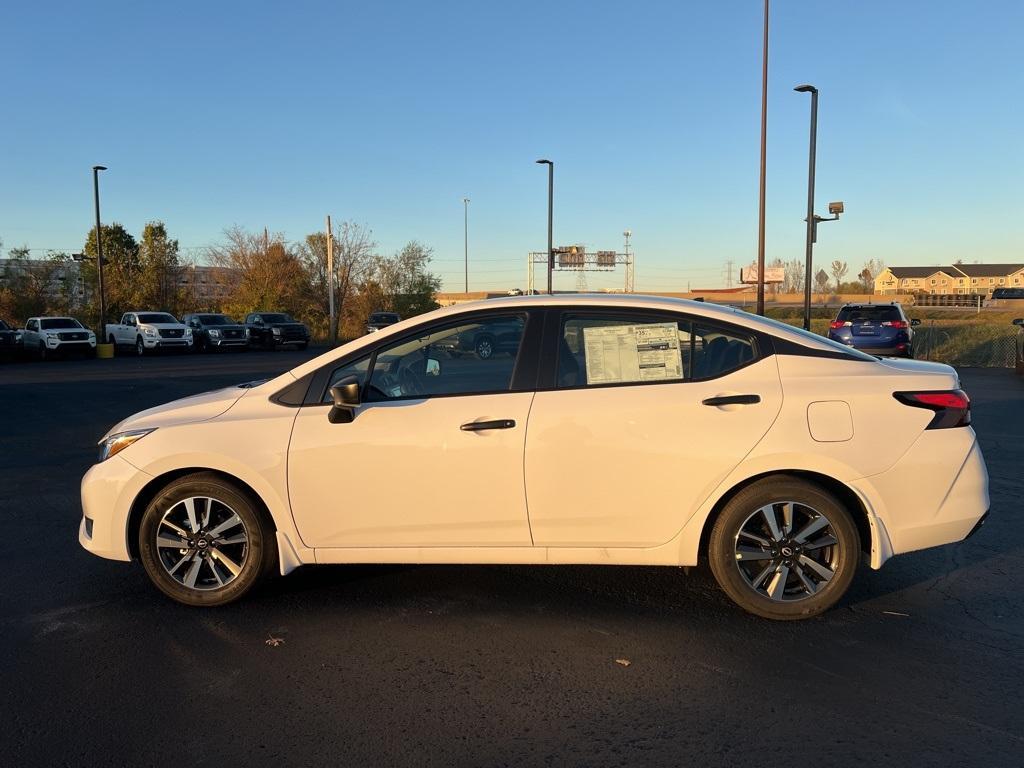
159, 269
354, 249
121, 271
407, 284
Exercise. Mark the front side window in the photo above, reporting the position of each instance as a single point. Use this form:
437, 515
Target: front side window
472, 357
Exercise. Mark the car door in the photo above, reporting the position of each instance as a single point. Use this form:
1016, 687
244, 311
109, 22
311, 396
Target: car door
644, 416
127, 330
30, 336
434, 454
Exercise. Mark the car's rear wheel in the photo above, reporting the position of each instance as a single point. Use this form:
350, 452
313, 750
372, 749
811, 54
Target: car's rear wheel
784, 548
205, 542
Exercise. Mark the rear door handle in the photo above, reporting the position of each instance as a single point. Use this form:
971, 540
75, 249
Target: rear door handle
732, 400
479, 426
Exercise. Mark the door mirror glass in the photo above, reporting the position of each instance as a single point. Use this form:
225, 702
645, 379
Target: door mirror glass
915, 322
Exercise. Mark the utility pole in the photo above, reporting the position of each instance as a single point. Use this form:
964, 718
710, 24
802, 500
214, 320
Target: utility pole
764, 153
809, 249
465, 236
330, 283
551, 208
99, 252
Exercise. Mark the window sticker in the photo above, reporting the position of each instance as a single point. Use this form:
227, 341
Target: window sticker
622, 353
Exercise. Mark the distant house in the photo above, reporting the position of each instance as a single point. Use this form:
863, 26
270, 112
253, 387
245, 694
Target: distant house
959, 279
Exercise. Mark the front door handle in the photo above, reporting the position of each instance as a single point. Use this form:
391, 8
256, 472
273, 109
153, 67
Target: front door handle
732, 400
479, 426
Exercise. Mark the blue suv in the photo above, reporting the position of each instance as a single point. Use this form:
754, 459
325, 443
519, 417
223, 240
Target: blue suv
878, 329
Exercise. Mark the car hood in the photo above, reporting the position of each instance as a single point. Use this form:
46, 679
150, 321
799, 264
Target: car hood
161, 325
201, 407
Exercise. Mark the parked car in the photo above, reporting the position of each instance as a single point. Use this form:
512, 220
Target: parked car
380, 320
496, 338
10, 341
1008, 293
674, 431
149, 331
46, 337
1019, 356
878, 329
213, 331
276, 329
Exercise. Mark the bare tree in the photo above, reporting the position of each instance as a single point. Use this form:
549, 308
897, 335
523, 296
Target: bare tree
269, 275
354, 250
872, 269
794, 274
839, 270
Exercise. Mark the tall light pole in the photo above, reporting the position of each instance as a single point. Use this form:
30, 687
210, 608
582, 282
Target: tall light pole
764, 153
809, 255
465, 236
101, 333
551, 208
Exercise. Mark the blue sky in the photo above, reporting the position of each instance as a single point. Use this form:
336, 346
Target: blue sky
274, 114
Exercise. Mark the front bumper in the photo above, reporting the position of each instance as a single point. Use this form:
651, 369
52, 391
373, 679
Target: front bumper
108, 490
151, 342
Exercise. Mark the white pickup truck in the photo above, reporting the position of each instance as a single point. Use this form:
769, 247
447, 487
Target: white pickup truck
148, 331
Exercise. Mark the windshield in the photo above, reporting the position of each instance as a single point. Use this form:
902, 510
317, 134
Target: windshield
277, 318
156, 317
384, 317
810, 336
58, 322
216, 320
4, 326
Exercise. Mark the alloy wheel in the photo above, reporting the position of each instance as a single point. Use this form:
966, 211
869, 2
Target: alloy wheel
484, 349
202, 543
787, 551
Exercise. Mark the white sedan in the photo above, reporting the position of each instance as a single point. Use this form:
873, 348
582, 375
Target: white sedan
623, 430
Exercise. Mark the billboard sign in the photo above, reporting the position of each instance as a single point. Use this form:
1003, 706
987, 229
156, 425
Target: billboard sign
748, 275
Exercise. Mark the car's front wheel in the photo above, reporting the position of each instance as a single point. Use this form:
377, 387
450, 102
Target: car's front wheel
205, 542
783, 548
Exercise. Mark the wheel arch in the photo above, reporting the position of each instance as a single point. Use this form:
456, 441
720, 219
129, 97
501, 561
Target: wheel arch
847, 497
158, 483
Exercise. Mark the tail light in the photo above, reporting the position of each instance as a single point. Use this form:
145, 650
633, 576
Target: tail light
952, 407
896, 324
838, 324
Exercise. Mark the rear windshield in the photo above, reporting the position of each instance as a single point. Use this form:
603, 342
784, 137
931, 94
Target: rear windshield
855, 354
59, 322
156, 317
873, 314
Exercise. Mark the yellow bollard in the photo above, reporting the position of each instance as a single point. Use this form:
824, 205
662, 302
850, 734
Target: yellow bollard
104, 351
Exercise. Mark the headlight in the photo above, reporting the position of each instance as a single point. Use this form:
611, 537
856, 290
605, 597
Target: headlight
92, 336
188, 333
214, 333
150, 331
276, 331
113, 445
51, 335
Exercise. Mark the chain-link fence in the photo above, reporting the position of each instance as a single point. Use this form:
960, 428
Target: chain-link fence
966, 344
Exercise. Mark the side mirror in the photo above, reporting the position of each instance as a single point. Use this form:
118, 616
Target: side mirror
915, 322
1018, 321
433, 367
345, 395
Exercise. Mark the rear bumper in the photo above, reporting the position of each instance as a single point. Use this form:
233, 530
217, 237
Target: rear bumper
937, 493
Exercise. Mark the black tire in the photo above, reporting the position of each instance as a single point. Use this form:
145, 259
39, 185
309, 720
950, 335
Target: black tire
302, 345
784, 558
140, 347
42, 353
258, 558
484, 347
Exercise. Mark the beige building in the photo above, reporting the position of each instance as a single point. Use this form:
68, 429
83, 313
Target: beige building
956, 279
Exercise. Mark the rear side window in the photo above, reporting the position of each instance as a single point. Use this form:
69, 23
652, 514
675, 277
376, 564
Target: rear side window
872, 314
599, 350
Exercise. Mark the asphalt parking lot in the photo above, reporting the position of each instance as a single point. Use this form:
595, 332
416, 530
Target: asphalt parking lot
920, 665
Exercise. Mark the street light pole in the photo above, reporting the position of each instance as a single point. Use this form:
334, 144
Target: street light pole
465, 236
764, 153
551, 199
809, 256
101, 335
